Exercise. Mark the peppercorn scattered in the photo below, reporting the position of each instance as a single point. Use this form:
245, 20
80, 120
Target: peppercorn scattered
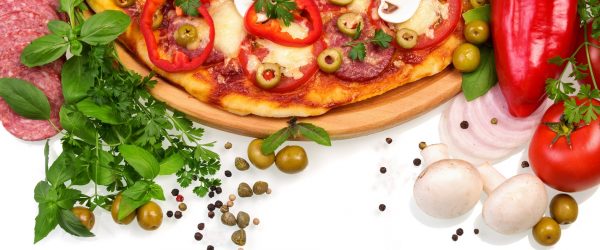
228, 145
417, 162
212, 188
211, 194
219, 190
256, 221
169, 213
464, 124
454, 237
182, 206
243, 219
230, 203
211, 214
383, 170
269, 191
227, 173
476, 231
244, 190
211, 207
381, 207
179, 198
260, 187
422, 145
210, 247
388, 140
178, 215
459, 231
232, 197
175, 192
218, 204
494, 121
525, 164
198, 236
200, 226
241, 164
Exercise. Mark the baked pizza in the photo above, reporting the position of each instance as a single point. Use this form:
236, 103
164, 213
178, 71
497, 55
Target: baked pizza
281, 58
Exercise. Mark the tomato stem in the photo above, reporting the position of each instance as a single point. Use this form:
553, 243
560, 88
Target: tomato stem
562, 128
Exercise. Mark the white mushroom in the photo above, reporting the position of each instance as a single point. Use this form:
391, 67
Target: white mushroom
446, 188
513, 205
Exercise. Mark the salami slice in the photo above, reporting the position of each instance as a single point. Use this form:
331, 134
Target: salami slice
17, 21
376, 59
39, 7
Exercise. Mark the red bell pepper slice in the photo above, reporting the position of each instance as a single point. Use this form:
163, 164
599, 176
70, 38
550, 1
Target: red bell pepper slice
180, 61
271, 29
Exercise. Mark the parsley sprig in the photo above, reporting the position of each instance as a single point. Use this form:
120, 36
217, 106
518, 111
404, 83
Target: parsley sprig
277, 9
189, 7
558, 90
358, 49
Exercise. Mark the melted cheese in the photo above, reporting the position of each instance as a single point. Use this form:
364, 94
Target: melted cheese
289, 58
296, 30
359, 6
229, 28
428, 14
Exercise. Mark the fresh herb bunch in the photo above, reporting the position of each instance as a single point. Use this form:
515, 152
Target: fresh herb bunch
189, 7
277, 9
307, 130
558, 90
116, 134
358, 49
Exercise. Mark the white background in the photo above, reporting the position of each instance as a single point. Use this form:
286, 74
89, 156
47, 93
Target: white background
331, 205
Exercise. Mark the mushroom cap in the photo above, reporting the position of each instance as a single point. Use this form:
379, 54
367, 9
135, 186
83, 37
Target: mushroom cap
516, 205
448, 188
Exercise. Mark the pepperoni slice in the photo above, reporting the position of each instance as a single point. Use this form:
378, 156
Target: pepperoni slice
376, 59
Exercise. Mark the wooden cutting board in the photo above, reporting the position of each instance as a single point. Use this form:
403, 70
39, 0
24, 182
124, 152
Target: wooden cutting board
362, 118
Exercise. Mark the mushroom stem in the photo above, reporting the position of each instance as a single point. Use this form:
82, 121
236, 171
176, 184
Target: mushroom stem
435, 152
491, 177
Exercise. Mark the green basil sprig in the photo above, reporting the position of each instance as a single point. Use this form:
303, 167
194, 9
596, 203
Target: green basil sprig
307, 130
25, 98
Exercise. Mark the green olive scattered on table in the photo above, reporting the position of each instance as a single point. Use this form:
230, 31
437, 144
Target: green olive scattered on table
329, 60
150, 216
466, 57
291, 159
84, 215
546, 232
114, 211
477, 32
564, 209
256, 157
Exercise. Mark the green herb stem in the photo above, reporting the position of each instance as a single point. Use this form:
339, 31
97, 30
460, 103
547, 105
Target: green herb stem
589, 59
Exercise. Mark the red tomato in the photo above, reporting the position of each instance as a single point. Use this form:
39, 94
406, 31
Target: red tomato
287, 84
581, 56
441, 30
560, 166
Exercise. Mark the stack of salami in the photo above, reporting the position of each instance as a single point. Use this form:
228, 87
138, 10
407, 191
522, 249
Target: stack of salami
22, 21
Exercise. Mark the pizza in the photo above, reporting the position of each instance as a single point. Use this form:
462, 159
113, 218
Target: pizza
283, 58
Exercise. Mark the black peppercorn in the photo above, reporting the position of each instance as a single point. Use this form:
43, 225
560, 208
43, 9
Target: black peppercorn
211, 194
464, 124
198, 236
201, 226
388, 140
178, 215
219, 190
211, 207
175, 192
213, 188
454, 237
417, 162
476, 231
525, 164
383, 170
210, 247
211, 214
381, 207
218, 204
459, 231
227, 173
169, 213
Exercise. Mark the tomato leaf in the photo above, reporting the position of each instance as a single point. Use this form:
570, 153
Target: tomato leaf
478, 82
141, 160
72, 224
314, 133
25, 99
271, 143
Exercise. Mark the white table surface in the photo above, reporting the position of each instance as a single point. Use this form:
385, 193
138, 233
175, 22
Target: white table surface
333, 204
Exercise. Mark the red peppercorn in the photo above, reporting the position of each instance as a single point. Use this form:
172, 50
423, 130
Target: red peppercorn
179, 198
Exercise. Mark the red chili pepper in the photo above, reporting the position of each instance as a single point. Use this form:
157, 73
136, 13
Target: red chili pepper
526, 33
271, 29
179, 61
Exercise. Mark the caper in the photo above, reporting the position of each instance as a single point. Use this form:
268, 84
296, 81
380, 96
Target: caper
124, 3
564, 209
406, 38
341, 2
228, 219
241, 164
260, 187
329, 60
256, 156
478, 3
244, 190
268, 75
243, 219
350, 23
239, 237
157, 19
186, 34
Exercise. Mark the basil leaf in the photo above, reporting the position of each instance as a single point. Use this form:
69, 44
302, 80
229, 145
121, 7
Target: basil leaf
116, 135
104, 113
76, 123
271, 143
59, 27
138, 190
25, 99
314, 133
69, 5
40, 192
46, 154
104, 27
59, 172
171, 164
67, 198
44, 50
102, 173
478, 82
157, 192
481, 13
128, 205
45, 221
141, 160
72, 224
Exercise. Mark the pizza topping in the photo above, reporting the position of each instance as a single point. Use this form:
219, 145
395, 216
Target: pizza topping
177, 60
242, 6
390, 10
406, 38
230, 26
289, 58
350, 24
330, 60
124, 3
359, 6
358, 51
185, 35
157, 19
434, 21
268, 75
341, 2
291, 23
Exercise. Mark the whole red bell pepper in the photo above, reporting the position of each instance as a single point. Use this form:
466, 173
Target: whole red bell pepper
179, 61
526, 33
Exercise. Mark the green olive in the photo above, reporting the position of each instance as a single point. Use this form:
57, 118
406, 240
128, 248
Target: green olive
291, 159
564, 209
341, 2
149, 216
268, 75
546, 232
256, 156
406, 38
186, 34
114, 212
466, 57
157, 19
478, 3
349, 23
124, 3
330, 60
84, 215
477, 32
